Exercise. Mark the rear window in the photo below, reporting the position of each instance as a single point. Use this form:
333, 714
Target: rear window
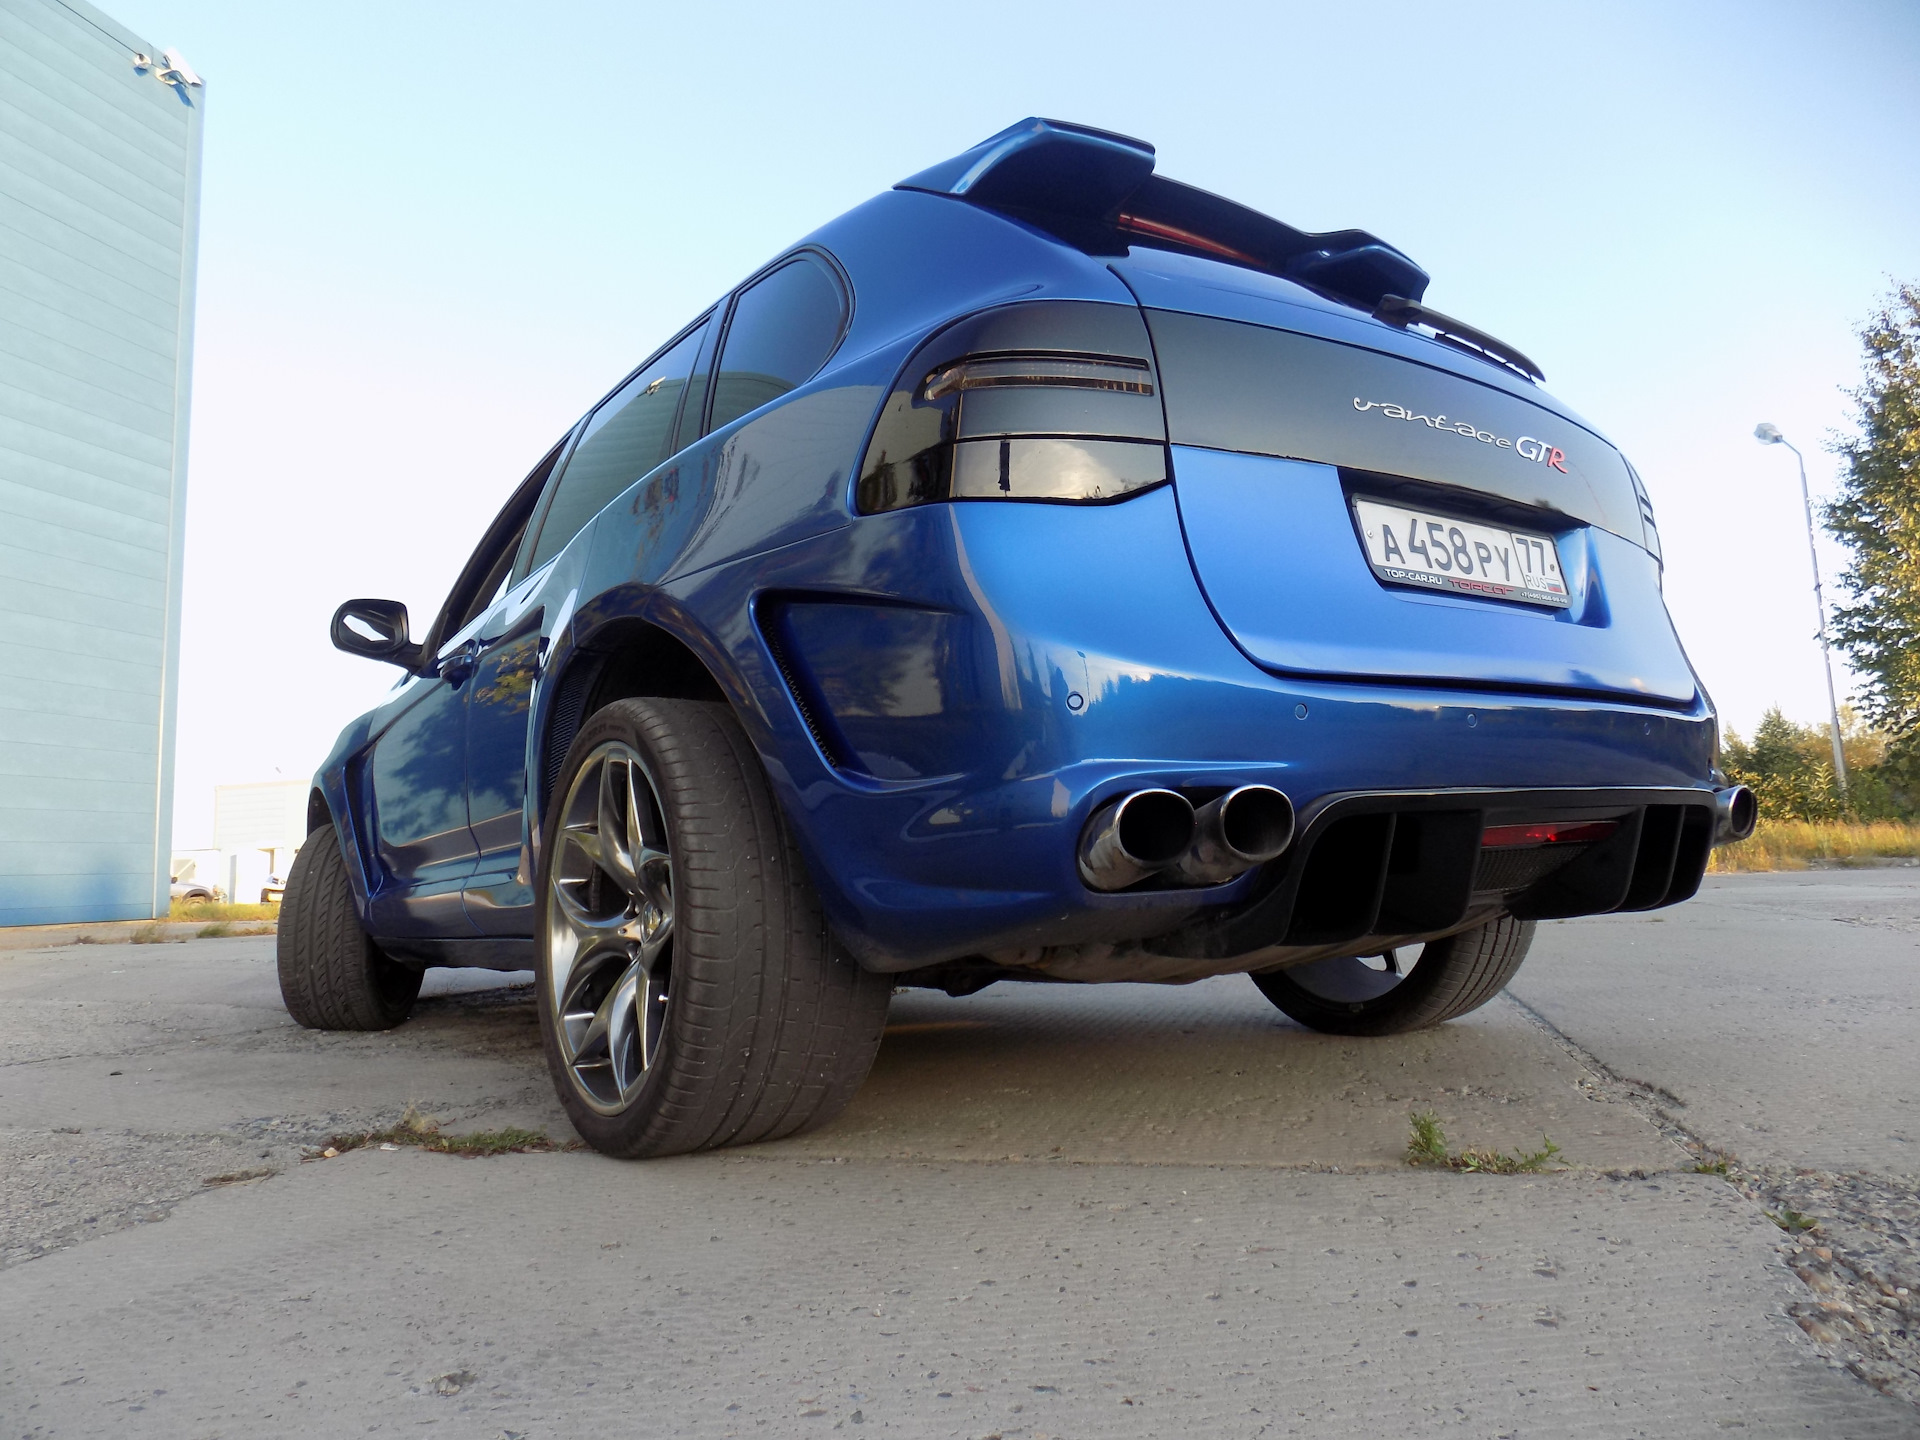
784, 327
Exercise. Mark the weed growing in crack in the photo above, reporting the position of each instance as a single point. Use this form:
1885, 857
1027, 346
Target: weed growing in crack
1428, 1146
421, 1133
1792, 1221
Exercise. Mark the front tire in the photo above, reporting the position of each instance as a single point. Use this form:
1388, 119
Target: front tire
1448, 978
690, 992
332, 975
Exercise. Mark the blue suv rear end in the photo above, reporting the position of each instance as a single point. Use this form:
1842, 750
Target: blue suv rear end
1046, 571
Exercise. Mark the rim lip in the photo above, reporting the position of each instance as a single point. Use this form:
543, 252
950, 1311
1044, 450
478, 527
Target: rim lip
554, 987
1355, 970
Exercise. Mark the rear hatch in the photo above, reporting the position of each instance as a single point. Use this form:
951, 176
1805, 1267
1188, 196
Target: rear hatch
1311, 449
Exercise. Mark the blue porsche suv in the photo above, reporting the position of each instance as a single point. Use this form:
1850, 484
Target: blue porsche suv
1046, 571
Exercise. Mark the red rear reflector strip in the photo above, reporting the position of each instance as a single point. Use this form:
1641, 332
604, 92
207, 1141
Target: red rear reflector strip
1557, 832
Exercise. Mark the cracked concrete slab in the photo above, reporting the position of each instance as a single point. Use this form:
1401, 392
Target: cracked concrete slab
1212, 1074
568, 1295
1052, 1211
1778, 1010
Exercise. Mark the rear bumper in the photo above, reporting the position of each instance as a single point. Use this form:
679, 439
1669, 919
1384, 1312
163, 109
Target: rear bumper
1375, 871
941, 727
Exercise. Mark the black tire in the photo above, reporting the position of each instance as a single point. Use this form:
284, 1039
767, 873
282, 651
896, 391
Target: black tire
332, 976
765, 1026
1451, 978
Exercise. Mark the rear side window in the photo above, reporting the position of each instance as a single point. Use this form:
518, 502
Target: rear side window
628, 435
783, 329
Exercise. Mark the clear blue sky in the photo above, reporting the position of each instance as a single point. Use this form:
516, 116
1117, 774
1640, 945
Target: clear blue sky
435, 233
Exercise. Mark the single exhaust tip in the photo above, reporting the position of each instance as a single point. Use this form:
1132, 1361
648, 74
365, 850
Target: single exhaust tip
1243, 828
1133, 837
1735, 812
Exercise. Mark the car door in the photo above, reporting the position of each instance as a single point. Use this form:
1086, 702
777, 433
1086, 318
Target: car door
424, 848
507, 651
627, 435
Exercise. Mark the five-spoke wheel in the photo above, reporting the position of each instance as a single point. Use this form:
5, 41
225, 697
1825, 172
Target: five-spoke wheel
610, 926
690, 992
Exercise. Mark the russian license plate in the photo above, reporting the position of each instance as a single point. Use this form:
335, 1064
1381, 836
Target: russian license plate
1439, 552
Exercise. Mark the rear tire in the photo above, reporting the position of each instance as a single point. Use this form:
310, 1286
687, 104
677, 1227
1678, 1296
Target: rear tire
691, 994
1451, 978
332, 976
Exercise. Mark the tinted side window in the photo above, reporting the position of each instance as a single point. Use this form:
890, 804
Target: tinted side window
783, 329
628, 435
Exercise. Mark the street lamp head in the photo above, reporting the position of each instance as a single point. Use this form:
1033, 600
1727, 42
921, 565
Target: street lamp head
1768, 434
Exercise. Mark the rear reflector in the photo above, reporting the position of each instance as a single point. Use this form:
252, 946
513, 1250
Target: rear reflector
1555, 832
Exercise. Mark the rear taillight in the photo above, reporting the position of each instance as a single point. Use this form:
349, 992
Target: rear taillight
1558, 832
982, 421
1041, 371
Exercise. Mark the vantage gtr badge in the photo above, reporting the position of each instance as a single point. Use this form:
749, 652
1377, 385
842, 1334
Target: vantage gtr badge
1526, 447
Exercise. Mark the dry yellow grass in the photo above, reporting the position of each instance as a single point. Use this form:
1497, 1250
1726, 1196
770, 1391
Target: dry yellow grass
207, 910
1790, 844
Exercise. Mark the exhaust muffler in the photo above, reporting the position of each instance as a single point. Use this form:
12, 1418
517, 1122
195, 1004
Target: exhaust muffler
1135, 836
1735, 813
1241, 829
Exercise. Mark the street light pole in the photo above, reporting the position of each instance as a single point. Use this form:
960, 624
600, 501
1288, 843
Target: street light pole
1768, 434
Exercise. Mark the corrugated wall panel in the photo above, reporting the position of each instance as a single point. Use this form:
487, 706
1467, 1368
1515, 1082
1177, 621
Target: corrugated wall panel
99, 199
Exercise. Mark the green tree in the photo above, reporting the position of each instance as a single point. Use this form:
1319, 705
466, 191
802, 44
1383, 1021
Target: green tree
1787, 774
1877, 517
1790, 768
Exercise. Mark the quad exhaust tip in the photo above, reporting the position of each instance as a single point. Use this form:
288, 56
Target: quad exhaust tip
1243, 828
1735, 813
1149, 832
1136, 836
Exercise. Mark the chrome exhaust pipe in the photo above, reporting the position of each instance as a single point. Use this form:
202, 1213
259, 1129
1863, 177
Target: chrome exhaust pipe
1134, 837
1243, 828
1735, 813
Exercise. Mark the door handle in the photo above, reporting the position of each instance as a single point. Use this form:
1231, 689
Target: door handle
457, 667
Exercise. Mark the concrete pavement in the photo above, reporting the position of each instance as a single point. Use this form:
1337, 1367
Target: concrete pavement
1778, 1013
1052, 1211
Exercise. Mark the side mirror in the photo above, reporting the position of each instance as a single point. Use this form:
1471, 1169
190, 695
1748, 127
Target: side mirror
375, 630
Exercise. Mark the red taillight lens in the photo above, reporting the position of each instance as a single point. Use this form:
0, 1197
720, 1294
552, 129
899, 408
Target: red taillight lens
1552, 832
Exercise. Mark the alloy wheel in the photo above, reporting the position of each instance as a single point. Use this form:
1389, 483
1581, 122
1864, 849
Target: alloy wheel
1354, 979
610, 927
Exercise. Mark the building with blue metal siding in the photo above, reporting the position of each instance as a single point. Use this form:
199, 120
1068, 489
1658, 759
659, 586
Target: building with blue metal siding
99, 212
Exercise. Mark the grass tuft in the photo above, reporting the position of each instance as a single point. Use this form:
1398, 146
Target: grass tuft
153, 934
420, 1133
1718, 1167
1428, 1146
1792, 844
1792, 1221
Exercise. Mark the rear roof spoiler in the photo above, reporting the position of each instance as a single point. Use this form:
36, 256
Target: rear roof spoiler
1097, 190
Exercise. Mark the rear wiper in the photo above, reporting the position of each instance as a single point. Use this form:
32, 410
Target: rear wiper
1398, 310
